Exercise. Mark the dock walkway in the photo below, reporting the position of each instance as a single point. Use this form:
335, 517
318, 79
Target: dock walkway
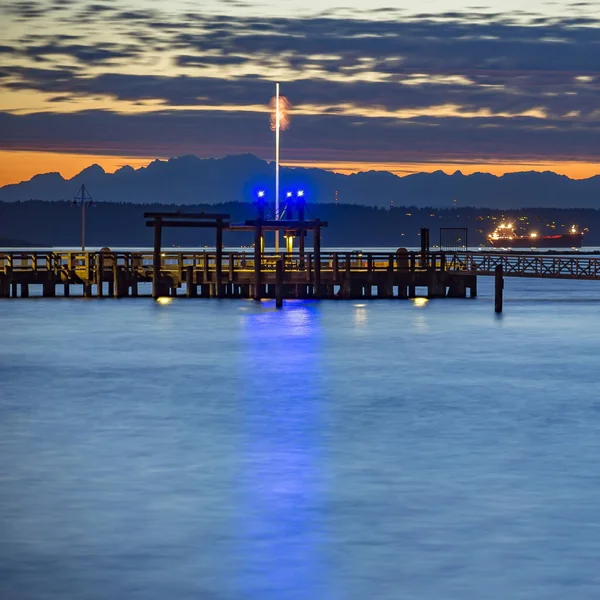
294, 275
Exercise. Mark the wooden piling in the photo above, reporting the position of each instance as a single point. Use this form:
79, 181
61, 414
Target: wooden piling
156, 259
190, 285
257, 260
24, 290
498, 288
6, 281
100, 274
317, 252
279, 266
219, 261
66, 290
49, 287
473, 288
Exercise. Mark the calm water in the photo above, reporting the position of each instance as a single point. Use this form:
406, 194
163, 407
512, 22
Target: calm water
225, 450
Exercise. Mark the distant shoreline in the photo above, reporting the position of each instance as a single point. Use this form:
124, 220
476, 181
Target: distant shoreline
15, 243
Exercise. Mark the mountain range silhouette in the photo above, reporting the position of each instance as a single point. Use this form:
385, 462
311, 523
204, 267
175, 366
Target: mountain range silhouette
190, 180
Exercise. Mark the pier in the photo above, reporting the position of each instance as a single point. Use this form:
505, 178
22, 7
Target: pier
333, 275
234, 275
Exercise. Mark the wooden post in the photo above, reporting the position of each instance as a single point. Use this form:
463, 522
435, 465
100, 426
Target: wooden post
219, 266
89, 263
134, 283
279, 266
336, 268
389, 292
205, 275
99, 274
5, 284
117, 281
49, 286
24, 290
347, 285
14, 289
498, 288
257, 259
67, 290
317, 249
231, 269
473, 288
190, 284
156, 259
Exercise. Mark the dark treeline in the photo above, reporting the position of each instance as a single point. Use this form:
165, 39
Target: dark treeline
122, 225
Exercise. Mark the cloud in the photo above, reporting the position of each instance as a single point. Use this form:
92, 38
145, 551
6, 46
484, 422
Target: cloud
320, 137
439, 82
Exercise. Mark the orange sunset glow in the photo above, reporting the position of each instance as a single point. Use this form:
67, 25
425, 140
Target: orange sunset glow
17, 166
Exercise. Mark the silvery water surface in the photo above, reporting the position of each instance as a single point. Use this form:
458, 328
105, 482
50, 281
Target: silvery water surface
225, 450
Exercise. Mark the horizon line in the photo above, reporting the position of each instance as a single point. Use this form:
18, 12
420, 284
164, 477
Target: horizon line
69, 165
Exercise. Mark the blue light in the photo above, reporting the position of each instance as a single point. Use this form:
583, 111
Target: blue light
288, 195
300, 193
261, 193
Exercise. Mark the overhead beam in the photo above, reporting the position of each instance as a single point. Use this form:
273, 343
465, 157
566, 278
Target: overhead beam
182, 215
286, 224
218, 225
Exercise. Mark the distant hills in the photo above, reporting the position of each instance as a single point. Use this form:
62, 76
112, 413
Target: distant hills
190, 180
350, 226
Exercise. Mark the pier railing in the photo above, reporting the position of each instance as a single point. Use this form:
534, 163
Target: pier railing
477, 263
547, 266
238, 261
290, 275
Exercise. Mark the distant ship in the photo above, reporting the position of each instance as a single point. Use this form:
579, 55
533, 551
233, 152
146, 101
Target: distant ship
504, 236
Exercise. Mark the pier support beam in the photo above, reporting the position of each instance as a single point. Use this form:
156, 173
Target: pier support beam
156, 259
191, 291
257, 259
317, 252
473, 288
99, 274
279, 283
219, 261
49, 288
498, 288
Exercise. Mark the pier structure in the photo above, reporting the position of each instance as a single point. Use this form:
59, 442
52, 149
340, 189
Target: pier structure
314, 274
257, 274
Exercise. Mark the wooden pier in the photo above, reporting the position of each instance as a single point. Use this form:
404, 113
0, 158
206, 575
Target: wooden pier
234, 275
335, 275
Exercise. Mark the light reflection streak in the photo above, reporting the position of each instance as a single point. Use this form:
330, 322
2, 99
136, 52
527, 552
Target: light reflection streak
280, 408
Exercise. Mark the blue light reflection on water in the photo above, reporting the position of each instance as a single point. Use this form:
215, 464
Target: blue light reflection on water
280, 412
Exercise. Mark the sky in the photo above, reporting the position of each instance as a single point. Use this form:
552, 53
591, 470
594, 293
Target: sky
469, 85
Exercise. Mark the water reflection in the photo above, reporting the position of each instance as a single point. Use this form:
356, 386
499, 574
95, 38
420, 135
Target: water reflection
359, 315
281, 499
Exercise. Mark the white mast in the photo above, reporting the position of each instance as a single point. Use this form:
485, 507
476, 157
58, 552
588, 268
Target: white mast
277, 126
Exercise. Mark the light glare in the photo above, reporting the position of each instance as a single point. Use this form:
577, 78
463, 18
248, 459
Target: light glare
420, 301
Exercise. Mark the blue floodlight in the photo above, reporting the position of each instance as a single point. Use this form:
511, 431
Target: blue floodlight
288, 195
261, 193
300, 193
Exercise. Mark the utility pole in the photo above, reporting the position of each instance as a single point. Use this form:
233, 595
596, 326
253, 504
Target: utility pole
84, 197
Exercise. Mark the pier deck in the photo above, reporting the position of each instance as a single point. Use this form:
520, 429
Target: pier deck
294, 275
